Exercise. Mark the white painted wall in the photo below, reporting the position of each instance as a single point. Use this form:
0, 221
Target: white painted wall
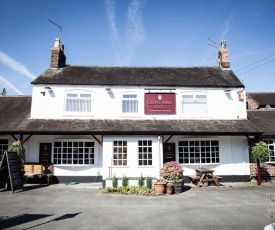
132, 169
234, 156
32, 155
106, 105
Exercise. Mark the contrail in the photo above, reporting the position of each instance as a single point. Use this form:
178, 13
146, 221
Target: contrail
134, 32
10, 85
228, 25
15, 65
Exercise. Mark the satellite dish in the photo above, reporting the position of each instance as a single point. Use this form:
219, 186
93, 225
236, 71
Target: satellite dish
268, 107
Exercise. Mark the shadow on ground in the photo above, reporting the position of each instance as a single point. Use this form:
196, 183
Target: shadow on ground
8, 222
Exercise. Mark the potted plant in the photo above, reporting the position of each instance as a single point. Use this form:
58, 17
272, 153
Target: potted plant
169, 188
173, 172
159, 186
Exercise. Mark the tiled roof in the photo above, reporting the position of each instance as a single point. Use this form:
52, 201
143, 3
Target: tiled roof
140, 76
264, 120
263, 98
15, 111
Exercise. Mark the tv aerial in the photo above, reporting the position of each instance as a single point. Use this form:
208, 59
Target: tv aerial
214, 44
60, 27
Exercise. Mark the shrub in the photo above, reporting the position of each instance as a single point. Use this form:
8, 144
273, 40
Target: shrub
149, 182
140, 181
114, 182
260, 152
124, 181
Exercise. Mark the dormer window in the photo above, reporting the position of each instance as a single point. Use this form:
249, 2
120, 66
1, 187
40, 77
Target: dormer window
78, 102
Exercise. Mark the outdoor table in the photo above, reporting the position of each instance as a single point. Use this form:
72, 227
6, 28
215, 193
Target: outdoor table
206, 175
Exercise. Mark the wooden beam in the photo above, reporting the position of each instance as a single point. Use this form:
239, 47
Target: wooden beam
97, 140
27, 139
14, 137
168, 139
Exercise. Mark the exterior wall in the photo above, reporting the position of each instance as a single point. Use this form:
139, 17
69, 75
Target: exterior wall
233, 151
32, 155
132, 169
267, 170
221, 104
234, 155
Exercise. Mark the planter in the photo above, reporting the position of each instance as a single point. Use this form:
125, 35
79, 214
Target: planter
159, 188
169, 191
178, 186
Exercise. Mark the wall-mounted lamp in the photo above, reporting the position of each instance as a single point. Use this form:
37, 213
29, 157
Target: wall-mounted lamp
227, 90
48, 88
43, 93
108, 90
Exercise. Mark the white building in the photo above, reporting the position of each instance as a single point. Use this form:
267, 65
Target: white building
94, 122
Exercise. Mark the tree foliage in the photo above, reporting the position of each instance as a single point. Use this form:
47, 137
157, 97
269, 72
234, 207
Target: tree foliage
260, 152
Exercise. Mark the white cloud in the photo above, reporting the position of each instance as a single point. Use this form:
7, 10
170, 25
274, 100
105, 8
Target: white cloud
15, 65
9, 85
134, 31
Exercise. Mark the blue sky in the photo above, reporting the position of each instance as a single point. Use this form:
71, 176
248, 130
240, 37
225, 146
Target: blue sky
137, 33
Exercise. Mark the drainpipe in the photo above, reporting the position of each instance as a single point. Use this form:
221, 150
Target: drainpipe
243, 152
160, 152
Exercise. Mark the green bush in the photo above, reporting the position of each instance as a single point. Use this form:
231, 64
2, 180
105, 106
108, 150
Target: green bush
149, 182
260, 152
124, 181
140, 181
114, 182
130, 190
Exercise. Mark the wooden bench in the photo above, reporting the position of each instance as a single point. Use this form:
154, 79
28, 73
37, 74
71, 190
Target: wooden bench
40, 171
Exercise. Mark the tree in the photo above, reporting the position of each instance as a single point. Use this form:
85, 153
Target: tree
260, 154
4, 92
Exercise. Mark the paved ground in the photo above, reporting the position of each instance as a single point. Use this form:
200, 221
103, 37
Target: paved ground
84, 206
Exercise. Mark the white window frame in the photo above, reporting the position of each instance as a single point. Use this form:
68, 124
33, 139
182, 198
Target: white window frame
74, 154
194, 100
120, 153
271, 145
133, 99
83, 103
145, 152
199, 152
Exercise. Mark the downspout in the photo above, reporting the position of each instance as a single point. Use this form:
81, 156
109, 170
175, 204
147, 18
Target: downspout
233, 173
243, 152
160, 151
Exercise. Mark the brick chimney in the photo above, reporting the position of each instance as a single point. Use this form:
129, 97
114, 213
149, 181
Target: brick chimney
58, 58
224, 56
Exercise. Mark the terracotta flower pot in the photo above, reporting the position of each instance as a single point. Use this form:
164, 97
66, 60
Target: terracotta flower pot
169, 191
159, 188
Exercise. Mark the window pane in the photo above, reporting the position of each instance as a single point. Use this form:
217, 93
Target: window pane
145, 152
193, 152
78, 102
129, 103
120, 152
194, 104
65, 153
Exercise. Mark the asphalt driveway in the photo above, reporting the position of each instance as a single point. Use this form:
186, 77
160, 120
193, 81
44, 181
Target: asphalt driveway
68, 207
